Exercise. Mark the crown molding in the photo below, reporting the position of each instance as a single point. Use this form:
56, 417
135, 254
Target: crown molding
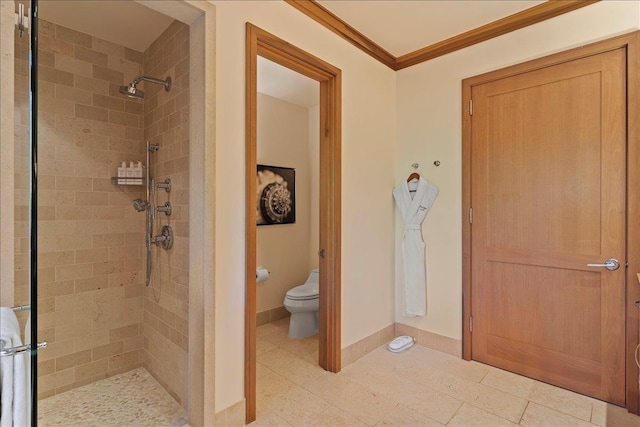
533, 15
327, 19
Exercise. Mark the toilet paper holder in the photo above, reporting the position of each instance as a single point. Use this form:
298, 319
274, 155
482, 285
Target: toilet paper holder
262, 274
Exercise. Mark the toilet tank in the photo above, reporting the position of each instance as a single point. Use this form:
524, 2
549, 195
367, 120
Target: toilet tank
314, 277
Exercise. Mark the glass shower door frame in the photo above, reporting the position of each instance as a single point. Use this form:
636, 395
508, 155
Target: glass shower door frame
33, 218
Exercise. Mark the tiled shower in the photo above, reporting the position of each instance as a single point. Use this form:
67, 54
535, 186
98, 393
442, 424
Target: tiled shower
94, 309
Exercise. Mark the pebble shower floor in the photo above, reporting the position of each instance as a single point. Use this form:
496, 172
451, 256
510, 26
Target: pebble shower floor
131, 399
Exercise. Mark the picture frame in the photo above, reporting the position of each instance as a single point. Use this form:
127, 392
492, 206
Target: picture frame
276, 195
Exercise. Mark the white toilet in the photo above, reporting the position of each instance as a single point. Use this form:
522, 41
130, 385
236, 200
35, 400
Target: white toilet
302, 303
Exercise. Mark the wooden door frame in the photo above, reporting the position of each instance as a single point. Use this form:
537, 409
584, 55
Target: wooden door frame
631, 43
262, 43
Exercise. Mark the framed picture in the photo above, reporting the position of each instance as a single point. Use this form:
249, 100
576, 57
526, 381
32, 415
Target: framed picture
276, 195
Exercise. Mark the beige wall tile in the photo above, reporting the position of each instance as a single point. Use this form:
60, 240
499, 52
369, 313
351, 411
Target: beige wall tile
91, 113
56, 46
84, 80
125, 359
55, 288
92, 341
71, 360
78, 96
72, 36
74, 66
108, 102
92, 283
108, 47
106, 74
52, 75
90, 56
74, 330
124, 119
107, 350
89, 370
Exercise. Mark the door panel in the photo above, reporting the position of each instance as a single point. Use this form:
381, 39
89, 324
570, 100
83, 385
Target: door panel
548, 197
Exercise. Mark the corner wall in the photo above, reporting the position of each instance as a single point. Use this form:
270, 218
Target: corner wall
368, 118
429, 128
166, 300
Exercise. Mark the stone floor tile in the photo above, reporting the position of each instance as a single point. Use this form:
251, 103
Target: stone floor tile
541, 416
607, 415
404, 416
561, 400
470, 416
508, 382
495, 401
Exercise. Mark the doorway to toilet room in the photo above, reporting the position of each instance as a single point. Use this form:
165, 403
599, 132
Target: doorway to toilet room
314, 169
551, 145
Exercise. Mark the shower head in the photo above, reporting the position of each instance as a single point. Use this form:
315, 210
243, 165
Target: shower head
139, 205
133, 92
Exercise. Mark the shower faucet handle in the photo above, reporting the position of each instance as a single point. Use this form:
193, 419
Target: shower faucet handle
166, 184
166, 208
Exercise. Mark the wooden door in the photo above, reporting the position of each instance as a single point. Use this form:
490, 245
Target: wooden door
548, 174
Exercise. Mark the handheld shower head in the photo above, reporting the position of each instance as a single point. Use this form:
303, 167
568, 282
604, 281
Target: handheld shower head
139, 205
133, 92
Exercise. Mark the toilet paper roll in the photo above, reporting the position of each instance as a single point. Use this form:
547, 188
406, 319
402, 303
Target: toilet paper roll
262, 274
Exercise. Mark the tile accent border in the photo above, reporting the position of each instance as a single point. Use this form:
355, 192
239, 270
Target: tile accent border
272, 315
231, 416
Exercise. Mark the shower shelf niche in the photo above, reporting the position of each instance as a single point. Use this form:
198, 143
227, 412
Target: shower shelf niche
127, 181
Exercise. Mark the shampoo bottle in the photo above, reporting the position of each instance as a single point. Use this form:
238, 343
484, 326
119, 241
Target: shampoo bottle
122, 173
138, 173
130, 174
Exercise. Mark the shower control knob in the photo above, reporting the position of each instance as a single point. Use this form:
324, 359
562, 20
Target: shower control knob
166, 208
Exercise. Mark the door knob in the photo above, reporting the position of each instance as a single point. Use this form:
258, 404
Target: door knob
610, 264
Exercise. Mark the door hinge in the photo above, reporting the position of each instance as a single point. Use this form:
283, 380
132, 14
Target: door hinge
470, 323
470, 215
471, 107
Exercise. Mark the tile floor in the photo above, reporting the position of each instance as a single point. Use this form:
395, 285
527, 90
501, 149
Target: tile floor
420, 387
131, 399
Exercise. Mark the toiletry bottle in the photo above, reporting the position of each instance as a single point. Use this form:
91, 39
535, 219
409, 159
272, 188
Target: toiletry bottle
138, 173
122, 173
130, 174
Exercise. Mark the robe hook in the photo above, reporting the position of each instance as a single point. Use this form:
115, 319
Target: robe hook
415, 165
436, 163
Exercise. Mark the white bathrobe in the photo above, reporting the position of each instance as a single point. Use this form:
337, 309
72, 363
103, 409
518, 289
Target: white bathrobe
414, 207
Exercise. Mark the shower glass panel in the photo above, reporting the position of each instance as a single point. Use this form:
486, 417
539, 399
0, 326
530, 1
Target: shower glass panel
18, 178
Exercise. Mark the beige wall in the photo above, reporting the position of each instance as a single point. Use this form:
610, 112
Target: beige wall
7, 86
90, 239
429, 128
368, 119
283, 140
166, 300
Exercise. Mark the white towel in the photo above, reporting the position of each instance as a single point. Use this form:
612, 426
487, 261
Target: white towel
13, 375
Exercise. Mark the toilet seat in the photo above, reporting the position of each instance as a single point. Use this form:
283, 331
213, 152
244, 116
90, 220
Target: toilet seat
308, 291
303, 302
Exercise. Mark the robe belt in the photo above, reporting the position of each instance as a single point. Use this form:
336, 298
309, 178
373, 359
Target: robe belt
412, 227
